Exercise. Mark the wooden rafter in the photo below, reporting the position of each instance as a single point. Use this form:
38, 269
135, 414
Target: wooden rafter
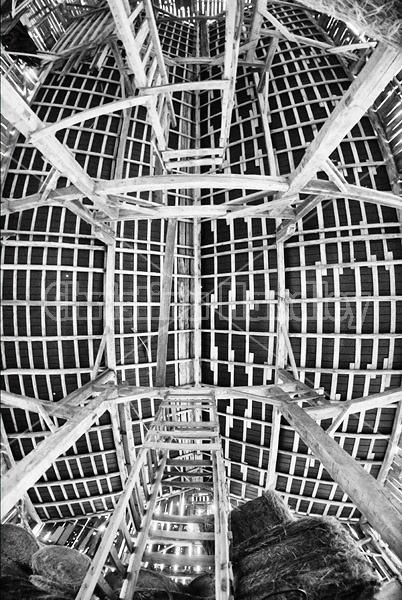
383, 65
366, 493
25, 473
17, 112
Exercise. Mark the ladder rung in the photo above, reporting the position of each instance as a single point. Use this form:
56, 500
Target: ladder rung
184, 434
192, 152
185, 536
189, 473
178, 518
184, 447
203, 560
195, 424
188, 484
197, 462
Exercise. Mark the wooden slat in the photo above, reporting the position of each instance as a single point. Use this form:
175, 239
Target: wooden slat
179, 560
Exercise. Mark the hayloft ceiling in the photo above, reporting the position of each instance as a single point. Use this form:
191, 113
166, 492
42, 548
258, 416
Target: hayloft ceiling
199, 194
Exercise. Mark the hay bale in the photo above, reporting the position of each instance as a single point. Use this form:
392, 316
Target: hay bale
9, 568
148, 579
315, 554
259, 514
15, 588
51, 587
379, 19
61, 566
164, 595
202, 586
208, 526
17, 544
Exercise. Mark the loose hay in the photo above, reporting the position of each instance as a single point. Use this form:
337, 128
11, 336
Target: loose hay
380, 19
202, 586
314, 554
164, 595
17, 544
61, 566
262, 513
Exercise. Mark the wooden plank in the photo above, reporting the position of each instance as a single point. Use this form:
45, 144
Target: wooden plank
165, 301
281, 312
185, 86
353, 192
366, 493
257, 20
99, 354
82, 394
27, 471
21, 116
382, 66
185, 536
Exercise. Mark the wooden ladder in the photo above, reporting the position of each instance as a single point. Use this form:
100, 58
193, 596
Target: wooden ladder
183, 445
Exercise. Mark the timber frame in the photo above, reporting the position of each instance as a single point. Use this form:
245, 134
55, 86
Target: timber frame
202, 204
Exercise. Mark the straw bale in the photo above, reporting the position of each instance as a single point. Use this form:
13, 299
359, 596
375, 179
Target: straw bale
10, 568
257, 515
61, 566
17, 544
315, 554
379, 19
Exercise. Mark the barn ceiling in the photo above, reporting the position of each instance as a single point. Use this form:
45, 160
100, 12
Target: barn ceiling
197, 194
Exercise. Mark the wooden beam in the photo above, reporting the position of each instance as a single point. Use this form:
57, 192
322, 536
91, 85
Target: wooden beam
53, 409
95, 570
288, 226
281, 310
382, 66
10, 463
192, 181
109, 308
273, 449
353, 192
20, 115
392, 445
256, 23
26, 472
233, 22
366, 493
82, 394
165, 300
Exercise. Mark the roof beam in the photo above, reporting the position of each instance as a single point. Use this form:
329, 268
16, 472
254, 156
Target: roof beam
165, 300
25, 474
37, 406
20, 115
382, 66
366, 493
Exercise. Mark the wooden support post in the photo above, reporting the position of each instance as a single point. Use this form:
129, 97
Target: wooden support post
366, 493
164, 313
257, 20
281, 314
99, 354
5, 445
273, 448
27, 472
392, 445
109, 319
